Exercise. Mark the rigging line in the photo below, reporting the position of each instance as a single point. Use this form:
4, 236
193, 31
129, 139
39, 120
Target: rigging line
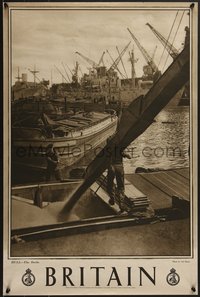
168, 38
121, 61
174, 38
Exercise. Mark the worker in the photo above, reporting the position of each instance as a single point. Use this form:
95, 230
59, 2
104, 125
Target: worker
116, 170
52, 164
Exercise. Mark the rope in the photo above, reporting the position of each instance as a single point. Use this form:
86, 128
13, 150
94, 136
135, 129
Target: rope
168, 38
174, 39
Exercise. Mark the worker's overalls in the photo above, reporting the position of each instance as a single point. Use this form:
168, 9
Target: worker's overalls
116, 169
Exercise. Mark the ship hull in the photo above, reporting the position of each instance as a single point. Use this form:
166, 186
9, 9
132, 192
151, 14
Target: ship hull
32, 152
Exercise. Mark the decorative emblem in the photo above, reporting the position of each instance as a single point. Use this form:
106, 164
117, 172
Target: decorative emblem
173, 278
28, 278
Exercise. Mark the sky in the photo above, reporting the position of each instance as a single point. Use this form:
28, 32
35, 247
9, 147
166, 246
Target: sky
48, 38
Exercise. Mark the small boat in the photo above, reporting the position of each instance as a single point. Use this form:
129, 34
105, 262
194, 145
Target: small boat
38, 123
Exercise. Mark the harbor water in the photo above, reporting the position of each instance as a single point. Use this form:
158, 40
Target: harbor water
165, 144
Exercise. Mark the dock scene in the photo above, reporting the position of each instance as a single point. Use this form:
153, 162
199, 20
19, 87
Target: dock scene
100, 147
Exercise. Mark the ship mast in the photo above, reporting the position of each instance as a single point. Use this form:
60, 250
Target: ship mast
133, 61
51, 77
18, 77
34, 72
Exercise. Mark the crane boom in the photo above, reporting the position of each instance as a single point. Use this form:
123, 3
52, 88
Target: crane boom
80, 70
101, 59
61, 73
122, 62
69, 69
169, 47
66, 72
154, 52
116, 62
144, 52
116, 67
92, 63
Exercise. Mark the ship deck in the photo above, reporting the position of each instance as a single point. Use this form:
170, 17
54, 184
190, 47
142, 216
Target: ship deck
121, 240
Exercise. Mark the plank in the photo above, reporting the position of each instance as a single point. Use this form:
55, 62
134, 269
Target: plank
179, 178
172, 191
185, 172
176, 185
132, 192
172, 182
157, 197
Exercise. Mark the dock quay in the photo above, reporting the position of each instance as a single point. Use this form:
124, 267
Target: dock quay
93, 220
163, 184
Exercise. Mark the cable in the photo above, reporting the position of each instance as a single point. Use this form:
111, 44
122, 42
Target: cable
174, 39
168, 38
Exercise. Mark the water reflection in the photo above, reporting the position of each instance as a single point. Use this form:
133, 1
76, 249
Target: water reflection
164, 144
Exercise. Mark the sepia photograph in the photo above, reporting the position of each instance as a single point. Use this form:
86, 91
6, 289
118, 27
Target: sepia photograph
100, 145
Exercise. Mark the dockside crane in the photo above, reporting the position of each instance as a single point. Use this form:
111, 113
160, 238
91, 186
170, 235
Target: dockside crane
169, 47
145, 54
92, 63
173, 52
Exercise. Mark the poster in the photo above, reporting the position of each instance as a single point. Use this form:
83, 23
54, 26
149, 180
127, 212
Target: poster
80, 78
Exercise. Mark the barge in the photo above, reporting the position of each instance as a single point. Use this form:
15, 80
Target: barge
38, 123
